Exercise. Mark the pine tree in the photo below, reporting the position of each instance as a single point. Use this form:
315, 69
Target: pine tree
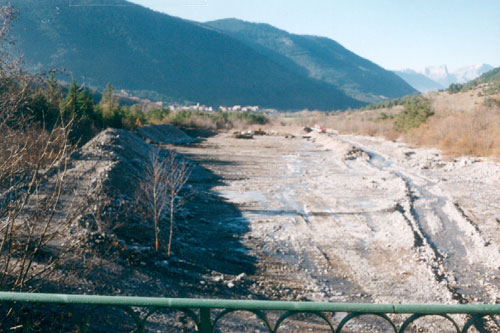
109, 99
79, 107
71, 104
110, 107
52, 92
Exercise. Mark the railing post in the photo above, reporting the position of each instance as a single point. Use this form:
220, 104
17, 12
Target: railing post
26, 321
205, 321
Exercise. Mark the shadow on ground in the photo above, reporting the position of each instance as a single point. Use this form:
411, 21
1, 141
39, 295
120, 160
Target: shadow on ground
208, 261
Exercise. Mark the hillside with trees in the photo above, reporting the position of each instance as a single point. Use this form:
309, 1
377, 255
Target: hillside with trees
140, 50
318, 58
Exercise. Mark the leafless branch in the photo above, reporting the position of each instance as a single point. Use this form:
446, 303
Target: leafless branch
165, 176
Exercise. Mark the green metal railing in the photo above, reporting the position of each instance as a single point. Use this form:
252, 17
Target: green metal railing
200, 310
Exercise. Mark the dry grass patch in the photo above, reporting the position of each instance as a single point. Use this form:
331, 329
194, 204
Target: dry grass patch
464, 123
369, 122
461, 133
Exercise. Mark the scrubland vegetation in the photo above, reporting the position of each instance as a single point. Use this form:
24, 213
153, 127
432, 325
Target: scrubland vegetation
213, 120
52, 103
34, 146
460, 121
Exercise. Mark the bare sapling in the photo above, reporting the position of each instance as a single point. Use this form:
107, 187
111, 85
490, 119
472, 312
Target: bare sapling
165, 176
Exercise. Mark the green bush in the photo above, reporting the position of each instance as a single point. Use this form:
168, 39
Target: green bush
383, 117
492, 102
455, 88
415, 112
251, 118
389, 103
214, 120
156, 116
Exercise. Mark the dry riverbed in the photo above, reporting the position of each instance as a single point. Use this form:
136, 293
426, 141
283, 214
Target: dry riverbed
354, 219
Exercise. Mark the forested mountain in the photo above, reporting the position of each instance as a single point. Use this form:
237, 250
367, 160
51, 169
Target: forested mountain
141, 50
136, 48
318, 58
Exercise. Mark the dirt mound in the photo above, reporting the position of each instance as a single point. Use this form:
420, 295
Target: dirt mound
107, 238
166, 134
106, 172
115, 157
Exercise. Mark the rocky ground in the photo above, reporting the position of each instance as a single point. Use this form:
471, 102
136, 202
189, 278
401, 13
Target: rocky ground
290, 216
355, 219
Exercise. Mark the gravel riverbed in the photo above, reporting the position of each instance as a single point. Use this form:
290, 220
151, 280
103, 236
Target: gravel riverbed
355, 219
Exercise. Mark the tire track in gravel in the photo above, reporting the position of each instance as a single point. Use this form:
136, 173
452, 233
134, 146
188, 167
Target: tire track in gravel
457, 250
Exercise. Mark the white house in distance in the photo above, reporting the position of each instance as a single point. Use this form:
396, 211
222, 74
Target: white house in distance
204, 108
236, 108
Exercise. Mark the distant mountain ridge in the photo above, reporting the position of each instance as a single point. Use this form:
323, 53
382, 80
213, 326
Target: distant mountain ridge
491, 79
319, 58
138, 49
438, 77
468, 73
418, 80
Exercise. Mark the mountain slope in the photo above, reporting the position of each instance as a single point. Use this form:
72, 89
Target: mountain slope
136, 48
319, 58
418, 81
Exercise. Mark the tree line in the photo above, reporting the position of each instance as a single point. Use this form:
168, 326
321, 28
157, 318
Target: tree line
53, 103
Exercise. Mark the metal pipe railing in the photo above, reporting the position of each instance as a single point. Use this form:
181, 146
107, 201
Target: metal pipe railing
205, 322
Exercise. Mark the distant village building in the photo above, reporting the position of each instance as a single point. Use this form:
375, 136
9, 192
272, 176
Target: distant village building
236, 108
250, 108
203, 108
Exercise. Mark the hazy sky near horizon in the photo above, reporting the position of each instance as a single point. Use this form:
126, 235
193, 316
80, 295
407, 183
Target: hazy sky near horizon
395, 34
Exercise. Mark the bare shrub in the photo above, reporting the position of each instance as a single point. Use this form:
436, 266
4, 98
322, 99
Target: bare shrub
165, 176
368, 122
34, 230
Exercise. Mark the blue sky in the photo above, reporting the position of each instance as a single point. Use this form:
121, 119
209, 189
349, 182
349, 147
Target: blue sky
393, 33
